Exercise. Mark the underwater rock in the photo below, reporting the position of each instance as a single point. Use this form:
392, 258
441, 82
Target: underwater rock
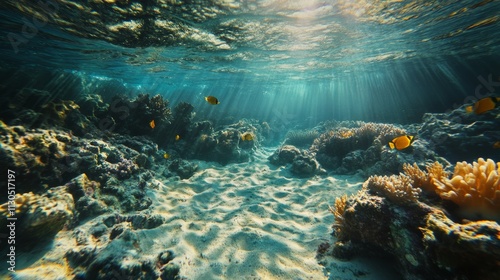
122, 253
108, 262
137, 221
127, 196
284, 155
221, 146
301, 163
183, 168
40, 217
40, 155
85, 194
371, 225
471, 249
304, 165
460, 136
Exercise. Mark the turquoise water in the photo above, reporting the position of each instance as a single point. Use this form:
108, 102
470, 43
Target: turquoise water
362, 60
104, 115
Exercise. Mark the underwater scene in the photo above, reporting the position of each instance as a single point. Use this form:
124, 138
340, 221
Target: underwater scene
249, 140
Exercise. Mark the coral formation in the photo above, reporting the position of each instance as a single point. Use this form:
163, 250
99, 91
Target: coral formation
474, 187
338, 213
224, 145
385, 217
397, 188
132, 117
120, 240
359, 147
301, 138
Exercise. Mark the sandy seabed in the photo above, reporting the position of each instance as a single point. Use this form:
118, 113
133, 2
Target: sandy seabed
240, 221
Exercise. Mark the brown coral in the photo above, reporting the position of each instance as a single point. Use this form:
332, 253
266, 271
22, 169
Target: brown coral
474, 187
346, 137
422, 179
338, 213
397, 188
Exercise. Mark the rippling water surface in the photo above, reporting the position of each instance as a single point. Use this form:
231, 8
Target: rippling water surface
353, 54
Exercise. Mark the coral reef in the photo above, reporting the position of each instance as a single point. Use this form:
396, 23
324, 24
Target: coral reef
132, 117
38, 154
359, 147
284, 155
390, 218
86, 194
224, 145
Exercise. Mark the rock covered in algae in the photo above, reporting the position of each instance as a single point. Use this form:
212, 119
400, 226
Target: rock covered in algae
121, 253
459, 135
301, 163
471, 248
41, 216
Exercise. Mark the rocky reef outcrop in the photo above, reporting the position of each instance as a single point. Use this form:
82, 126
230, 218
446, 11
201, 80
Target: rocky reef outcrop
401, 217
459, 135
356, 147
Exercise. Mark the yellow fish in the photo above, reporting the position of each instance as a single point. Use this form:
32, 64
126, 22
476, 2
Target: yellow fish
496, 145
483, 105
152, 124
166, 156
401, 142
177, 137
247, 136
212, 100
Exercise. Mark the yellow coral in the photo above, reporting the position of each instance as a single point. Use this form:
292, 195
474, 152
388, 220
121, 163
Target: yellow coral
338, 213
476, 188
423, 179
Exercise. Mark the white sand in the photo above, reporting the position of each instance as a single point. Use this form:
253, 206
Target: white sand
249, 221
240, 221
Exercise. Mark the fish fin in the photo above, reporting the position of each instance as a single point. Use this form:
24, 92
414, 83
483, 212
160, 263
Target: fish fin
391, 145
469, 109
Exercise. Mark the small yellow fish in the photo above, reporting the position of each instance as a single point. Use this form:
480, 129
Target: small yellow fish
212, 100
496, 145
401, 142
177, 137
152, 124
483, 105
247, 136
166, 156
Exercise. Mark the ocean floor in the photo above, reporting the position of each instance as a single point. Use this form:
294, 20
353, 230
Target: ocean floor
240, 221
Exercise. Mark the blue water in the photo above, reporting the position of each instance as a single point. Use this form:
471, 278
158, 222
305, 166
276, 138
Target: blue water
385, 61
